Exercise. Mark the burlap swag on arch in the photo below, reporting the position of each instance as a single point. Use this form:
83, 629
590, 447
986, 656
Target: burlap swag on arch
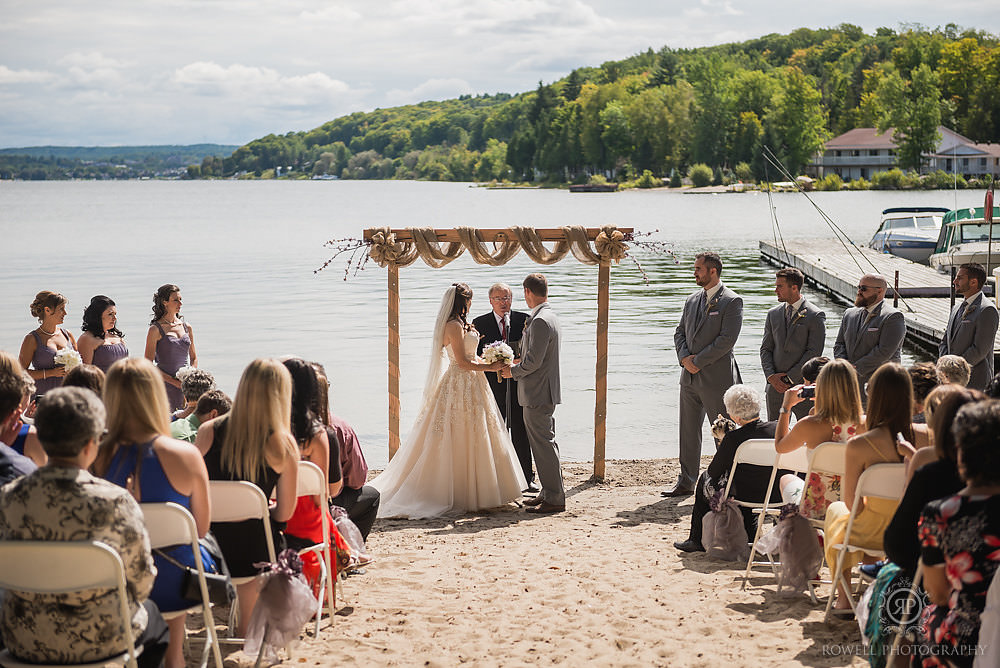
385, 250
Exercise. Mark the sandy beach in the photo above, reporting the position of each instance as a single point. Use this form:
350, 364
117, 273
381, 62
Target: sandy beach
600, 584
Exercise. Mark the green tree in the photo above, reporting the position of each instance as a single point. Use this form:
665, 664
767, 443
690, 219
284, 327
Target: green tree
796, 127
913, 109
616, 133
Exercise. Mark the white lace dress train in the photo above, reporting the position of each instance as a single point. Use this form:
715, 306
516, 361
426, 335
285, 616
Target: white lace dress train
458, 456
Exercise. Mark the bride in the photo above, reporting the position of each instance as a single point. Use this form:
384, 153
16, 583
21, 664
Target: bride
458, 456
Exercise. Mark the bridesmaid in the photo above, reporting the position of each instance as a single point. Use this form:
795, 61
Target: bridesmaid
102, 342
40, 346
170, 341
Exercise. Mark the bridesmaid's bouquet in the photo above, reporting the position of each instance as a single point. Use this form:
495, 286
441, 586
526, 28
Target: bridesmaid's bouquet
68, 358
498, 351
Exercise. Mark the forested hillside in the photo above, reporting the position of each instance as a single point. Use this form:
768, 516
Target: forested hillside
666, 110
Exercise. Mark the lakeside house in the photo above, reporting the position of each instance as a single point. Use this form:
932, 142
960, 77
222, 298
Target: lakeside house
861, 152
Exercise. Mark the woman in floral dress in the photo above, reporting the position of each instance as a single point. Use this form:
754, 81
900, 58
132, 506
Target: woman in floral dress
960, 542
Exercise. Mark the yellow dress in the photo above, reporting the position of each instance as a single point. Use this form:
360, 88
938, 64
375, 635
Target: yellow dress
869, 525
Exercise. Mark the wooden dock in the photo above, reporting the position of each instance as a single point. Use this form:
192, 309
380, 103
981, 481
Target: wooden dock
830, 268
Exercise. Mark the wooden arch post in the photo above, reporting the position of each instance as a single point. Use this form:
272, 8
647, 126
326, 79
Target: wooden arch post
495, 235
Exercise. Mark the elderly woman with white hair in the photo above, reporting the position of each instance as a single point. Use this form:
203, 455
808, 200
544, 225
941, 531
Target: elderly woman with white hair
743, 404
953, 369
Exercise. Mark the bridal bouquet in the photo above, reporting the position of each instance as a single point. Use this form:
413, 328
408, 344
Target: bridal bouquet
68, 358
498, 351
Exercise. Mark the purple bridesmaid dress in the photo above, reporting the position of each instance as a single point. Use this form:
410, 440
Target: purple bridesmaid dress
44, 359
107, 354
171, 355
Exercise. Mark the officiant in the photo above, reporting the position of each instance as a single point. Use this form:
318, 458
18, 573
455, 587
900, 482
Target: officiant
503, 324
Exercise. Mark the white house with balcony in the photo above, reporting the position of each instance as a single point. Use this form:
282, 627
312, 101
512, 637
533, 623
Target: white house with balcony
861, 152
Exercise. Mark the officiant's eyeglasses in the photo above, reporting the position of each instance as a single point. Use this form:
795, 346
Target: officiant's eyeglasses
498, 298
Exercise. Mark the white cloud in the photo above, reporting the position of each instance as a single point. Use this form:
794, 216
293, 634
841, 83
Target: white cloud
432, 89
263, 84
332, 14
9, 76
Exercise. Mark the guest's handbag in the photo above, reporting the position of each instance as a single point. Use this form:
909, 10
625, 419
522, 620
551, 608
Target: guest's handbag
221, 590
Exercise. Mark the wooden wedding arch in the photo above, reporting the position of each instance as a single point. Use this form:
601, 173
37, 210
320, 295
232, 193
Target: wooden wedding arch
397, 248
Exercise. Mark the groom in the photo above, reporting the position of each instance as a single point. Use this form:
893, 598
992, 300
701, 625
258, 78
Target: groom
503, 324
538, 392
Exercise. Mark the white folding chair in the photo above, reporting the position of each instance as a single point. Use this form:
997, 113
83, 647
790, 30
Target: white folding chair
758, 452
60, 567
312, 482
170, 524
796, 461
235, 501
879, 481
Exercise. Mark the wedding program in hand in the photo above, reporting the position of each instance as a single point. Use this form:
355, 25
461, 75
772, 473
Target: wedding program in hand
458, 456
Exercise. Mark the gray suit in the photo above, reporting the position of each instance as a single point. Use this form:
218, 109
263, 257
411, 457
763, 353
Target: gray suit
786, 347
538, 391
709, 332
870, 343
971, 333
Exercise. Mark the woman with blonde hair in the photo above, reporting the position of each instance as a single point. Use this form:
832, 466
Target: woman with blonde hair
254, 442
835, 417
137, 453
41, 345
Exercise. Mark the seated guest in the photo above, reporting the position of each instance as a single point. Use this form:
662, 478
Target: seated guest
210, 405
993, 388
85, 375
918, 456
102, 343
835, 418
924, 378
305, 526
358, 499
194, 383
17, 433
958, 539
62, 501
890, 398
137, 454
934, 480
254, 443
953, 369
749, 483
13, 464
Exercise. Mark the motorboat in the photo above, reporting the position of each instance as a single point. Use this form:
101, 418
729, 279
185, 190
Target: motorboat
909, 232
965, 237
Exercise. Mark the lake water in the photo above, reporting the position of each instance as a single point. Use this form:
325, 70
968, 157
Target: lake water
243, 253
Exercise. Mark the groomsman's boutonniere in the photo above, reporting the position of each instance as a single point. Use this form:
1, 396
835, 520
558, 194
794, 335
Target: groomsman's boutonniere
715, 302
798, 316
969, 308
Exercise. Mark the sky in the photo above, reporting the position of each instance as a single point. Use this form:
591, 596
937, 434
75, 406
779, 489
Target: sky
121, 72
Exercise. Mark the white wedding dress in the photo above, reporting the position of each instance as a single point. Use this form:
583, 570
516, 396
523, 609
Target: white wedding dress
458, 456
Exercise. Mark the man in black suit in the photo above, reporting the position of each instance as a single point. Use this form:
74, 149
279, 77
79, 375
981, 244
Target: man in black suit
503, 324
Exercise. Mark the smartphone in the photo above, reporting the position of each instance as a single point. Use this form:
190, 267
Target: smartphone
899, 437
808, 392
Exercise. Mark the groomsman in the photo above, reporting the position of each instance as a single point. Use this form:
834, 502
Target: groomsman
503, 324
972, 325
872, 332
794, 332
704, 340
